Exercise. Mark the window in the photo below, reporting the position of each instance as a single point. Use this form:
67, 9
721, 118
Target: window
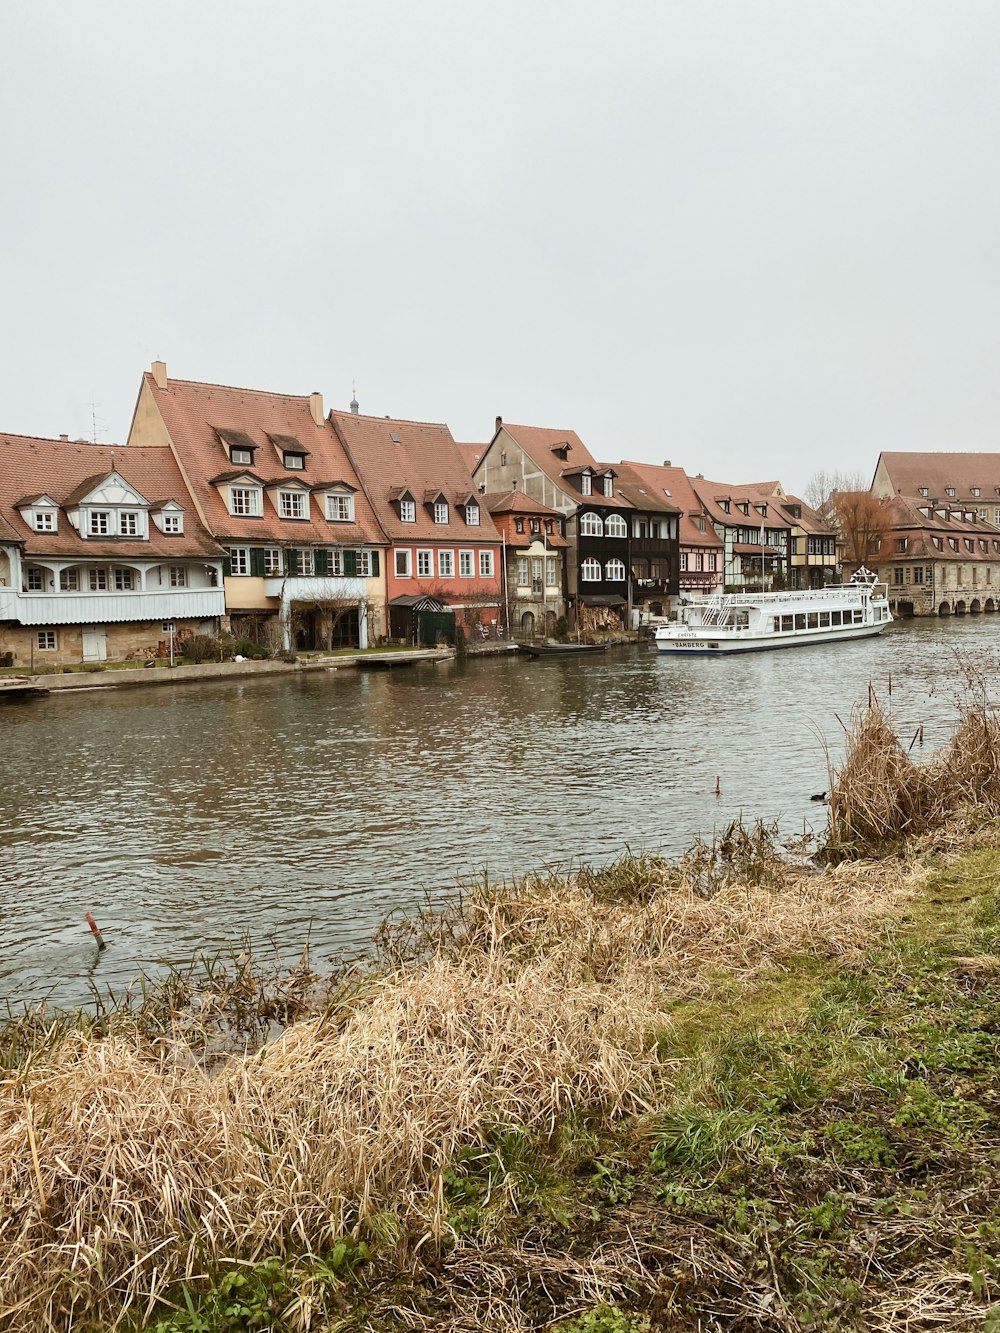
485, 564
128, 523
335, 562
408, 512
465, 564
440, 511
98, 580
548, 526
609, 485
710, 562
172, 523
936, 542
590, 571
614, 526
241, 456
684, 562
969, 544
953, 543
178, 576
536, 527
340, 508
239, 560
918, 574
100, 522
585, 483
551, 572
47, 640
503, 459
983, 514
591, 525
272, 561
518, 524
897, 576
294, 462
949, 490
472, 515
984, 545
291, 504
521, 571
69, 580
403, 560
304, 562
425, 564
975, 490
924, 490
34, 579
244, 501
124, 580
901, 543
45, 520
615, 571
446, 564
363, 564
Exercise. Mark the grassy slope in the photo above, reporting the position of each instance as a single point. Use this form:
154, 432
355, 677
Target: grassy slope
824, 1154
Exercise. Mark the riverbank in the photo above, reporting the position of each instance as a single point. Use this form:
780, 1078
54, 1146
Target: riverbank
117, 676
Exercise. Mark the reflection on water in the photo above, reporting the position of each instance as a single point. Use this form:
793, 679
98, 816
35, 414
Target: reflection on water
310, 807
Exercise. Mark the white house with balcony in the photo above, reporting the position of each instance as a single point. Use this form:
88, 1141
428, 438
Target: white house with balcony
106, 562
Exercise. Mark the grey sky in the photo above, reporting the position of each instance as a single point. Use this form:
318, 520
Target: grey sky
755, 238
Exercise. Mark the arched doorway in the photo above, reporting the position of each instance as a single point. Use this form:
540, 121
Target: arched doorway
960, 608
990, 605
944, 609
975, 607
527, 624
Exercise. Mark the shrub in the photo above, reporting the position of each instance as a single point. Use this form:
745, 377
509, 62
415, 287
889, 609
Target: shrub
202, 648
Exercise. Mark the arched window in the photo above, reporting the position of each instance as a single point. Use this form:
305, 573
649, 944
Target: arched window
614, 526
615, 571
590, 570
591, 525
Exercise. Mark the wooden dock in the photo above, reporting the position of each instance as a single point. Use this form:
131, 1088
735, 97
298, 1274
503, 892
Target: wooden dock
385, 661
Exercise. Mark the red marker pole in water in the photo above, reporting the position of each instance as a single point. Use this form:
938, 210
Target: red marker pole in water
96, 932
718, 788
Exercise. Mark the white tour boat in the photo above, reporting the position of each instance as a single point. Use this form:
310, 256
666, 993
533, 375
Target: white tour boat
743, 622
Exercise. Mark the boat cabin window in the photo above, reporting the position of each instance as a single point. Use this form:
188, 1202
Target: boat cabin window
824, 620
813, 620
787, 624
835, 618
800, 620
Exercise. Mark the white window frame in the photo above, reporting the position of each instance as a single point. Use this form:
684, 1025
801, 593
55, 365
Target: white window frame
363, 564
239, 562
125, 580
616, 522
521, 571
272, 562
466, 564
591, 524
129, 523
441, 512
292, 504
97, 580
178, 576
242, 457
590, 571
586, 484
339, 508
425, 563
248, 504
69, 580
294, 462
45, 520
609, 485
403, 563
335, 562
615, 571
172, 523
472, 515
34, 578
446, 564
47, 641
99, 522
305, 562
485, 564
408, 511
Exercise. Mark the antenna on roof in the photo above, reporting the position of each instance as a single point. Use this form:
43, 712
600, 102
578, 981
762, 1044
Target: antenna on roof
94, 419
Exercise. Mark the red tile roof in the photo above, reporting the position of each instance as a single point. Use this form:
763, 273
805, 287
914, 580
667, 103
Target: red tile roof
539, 442
675, 485
195, 413
640, 484
425, 461
472, 453
919, 529
710, 493
67, 470
935, 472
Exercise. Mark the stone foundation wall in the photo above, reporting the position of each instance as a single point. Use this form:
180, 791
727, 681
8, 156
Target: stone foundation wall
124, 642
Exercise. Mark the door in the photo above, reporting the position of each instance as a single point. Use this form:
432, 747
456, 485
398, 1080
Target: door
95, 644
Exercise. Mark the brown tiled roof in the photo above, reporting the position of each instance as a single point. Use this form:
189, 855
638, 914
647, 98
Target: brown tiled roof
710, 493
193, 414
69, 471
426, 461
918, 528
538, 442
809, 520
675, 486
472, 453
644, 491
935, 472
516, 502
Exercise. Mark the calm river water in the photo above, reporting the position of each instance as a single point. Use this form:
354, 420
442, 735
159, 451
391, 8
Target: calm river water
285, 808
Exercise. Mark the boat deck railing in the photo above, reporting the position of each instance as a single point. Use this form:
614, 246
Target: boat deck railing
721, 603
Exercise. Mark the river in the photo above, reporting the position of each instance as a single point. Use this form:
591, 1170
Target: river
286, 808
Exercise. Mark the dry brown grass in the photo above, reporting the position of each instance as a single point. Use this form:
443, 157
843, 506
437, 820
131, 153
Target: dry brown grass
126, 1166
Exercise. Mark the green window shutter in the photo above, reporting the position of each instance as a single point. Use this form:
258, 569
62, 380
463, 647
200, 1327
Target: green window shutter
227, 567
350, 563
257, 561
319, 562
292, 561
375, 564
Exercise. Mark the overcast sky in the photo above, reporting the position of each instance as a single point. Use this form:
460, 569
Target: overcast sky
756, 238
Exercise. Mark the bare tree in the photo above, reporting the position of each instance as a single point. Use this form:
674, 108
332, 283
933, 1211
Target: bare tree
863, 520
823, 485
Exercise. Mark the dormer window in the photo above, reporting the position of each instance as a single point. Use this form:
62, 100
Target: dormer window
244, 456
975, 490
340, 508
128, 523
173, 524
536, 526
440, 511
472, 515
744, 508
901, 543
609, 486
292, 504
408, 511
100, 522
724, 506
245, 501
548, 526
937, 543
953, 543
45, 520
949, 490
518, 524
924, 490
585, 483
294, 462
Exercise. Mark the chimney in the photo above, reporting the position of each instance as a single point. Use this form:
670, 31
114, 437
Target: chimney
159, 369
316, 407
64, 437
667, 462
499, 422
